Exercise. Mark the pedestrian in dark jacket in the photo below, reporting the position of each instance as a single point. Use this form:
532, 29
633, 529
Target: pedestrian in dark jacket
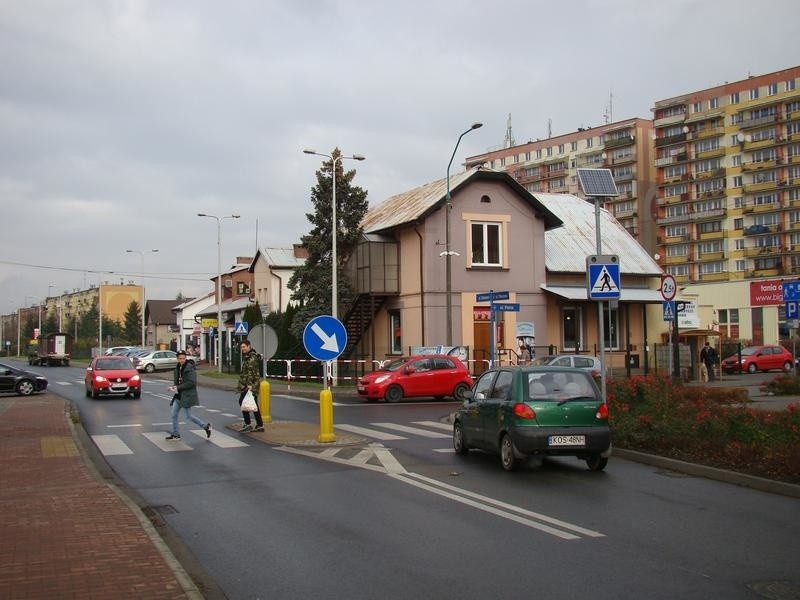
249, 381
185, 389
708, 355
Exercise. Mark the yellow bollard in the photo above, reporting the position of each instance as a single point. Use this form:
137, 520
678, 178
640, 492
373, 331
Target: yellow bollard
326, 417
263, 401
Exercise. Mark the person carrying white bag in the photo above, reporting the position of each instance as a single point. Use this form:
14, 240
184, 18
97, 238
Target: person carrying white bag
248, 387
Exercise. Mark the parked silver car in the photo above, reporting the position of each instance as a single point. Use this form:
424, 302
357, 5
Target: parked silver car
156, 360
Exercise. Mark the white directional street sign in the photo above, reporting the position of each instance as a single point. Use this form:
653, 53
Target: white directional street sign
602, 277
324, 337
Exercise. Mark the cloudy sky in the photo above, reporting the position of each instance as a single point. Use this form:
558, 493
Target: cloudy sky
121, 120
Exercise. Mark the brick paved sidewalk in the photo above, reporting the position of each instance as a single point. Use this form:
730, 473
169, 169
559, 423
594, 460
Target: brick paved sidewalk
64, 533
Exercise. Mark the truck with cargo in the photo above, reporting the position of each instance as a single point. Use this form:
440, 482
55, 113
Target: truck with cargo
53, 349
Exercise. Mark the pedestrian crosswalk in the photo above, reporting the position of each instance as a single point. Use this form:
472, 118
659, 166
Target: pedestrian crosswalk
126, 436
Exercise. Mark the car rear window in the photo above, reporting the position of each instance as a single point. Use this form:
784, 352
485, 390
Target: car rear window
560, 386
114, 364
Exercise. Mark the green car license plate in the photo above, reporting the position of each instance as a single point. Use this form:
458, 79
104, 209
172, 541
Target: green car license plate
566, 440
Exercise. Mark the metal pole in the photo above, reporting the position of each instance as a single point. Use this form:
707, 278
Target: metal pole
334, 269
218, 345
100, 319
448, 253
141, 254
18, 332
601, 330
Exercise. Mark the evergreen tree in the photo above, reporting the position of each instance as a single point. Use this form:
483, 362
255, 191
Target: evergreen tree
50, 325
132, 329
311, 283
88, 325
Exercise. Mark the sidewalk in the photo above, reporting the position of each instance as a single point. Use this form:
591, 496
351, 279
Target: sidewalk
65, 532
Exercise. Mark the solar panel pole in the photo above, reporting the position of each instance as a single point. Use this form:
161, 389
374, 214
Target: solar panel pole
601, 329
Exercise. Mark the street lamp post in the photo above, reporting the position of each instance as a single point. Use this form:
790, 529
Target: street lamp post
218, 339
448, 253
334, 228
141, 253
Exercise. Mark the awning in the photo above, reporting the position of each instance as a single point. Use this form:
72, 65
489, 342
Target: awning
227, 306
626, 294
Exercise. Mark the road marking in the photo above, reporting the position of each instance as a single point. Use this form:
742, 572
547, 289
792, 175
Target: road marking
435, 425
130, 425
111, 445
220, 439
158, 438
213, 410
65, 382
230, 415
373, 433
309, 400
444, 450
389, 462
413, 430
167, 423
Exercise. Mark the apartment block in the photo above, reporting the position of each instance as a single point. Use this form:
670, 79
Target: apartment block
550, 166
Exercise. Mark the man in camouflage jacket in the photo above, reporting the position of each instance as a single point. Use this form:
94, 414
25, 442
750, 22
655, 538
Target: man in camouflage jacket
249, 380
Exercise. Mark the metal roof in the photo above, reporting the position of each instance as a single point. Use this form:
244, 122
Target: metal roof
281, 257
626, 294
415, 204
567, 247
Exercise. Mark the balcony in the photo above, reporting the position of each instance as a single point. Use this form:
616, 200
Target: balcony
758, 122
760, 251
712, 153
761, 164
709, 214
713, 235
758, 144
665, 161
708, 256
752, 188
670, 120
623, 177
758, 230
685, 218
676, 260
625, 140
766, 207
621, 160
670, 139
714, 276
708, 133
710, 194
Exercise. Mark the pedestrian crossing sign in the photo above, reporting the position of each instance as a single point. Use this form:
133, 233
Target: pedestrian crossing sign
240, 328
603, 277
669, 310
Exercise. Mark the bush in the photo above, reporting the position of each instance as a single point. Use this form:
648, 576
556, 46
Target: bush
705, 425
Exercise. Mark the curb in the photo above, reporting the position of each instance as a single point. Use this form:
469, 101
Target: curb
740, 479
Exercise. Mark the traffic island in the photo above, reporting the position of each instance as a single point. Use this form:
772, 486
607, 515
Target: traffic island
298, 434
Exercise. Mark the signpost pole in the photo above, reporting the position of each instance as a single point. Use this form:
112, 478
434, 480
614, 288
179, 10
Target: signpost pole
676, 351
491, 333
601, 330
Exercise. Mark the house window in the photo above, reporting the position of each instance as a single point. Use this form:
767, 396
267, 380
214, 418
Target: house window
574, 146
713, 103
242, 289
754, 94
395, 337
735, 98
486, 244
572, 326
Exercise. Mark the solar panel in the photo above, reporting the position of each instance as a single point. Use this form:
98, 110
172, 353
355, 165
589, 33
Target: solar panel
597, 182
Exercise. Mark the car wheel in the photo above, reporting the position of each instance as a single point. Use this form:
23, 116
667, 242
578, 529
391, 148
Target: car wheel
787, 366
458, 393
752, 368
596, 462
507, 458
459, 443
95, 394
137, 395
394, 393
150, 367
88, 393
25, 387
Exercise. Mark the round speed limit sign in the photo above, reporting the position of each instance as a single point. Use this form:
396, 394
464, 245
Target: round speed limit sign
668, 287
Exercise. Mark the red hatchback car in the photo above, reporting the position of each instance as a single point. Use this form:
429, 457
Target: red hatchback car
759, 358
113, 376
417, 376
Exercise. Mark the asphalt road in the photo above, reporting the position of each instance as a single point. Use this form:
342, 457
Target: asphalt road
404, 517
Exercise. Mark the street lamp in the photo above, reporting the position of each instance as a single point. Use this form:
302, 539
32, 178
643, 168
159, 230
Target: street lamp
335, 226
218, 344
448, 253
142, 253
39, 300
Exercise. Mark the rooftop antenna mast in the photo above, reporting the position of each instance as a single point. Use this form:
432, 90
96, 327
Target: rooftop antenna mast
549, 128
509, 142
609, 113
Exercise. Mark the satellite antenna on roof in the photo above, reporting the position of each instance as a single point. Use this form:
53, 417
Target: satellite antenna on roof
599, 183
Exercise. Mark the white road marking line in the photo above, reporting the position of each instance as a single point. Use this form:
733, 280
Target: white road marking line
373, 433
309, 400
230, 415
164, 396
511, 507
412, 430
213, 410
129, 425
444, 450
158, 438
111, 445
406, 478
169, 423
435, 425
220, 439
389, 462
330, 452
333, 459
362, 457
65, 382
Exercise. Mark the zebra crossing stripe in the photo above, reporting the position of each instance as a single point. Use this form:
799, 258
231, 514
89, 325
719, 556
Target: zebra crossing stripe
220, 439
412, 430
372, 433
435, 425
111, 445
158, 438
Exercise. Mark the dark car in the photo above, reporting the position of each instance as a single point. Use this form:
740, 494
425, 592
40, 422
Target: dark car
759, 358
19, 381
112, 376
518, 412
417, 376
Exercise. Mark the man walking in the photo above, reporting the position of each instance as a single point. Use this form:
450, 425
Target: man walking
708, 356
185, 388
248, 381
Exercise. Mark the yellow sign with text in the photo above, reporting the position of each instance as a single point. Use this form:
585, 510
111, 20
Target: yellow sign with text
206, 323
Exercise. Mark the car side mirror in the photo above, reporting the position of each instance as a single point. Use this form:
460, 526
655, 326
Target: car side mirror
88, 368
409, 370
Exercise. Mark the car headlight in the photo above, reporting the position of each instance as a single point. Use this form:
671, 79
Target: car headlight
99, 378
135, 378
381, 378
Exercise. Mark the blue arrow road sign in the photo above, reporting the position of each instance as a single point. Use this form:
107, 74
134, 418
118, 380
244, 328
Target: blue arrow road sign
490, 296
793, 310
791, 291
324, 337
505, 307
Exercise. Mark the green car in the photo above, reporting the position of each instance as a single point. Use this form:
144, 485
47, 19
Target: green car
519, 412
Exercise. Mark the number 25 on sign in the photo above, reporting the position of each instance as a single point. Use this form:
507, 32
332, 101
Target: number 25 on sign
668, 287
